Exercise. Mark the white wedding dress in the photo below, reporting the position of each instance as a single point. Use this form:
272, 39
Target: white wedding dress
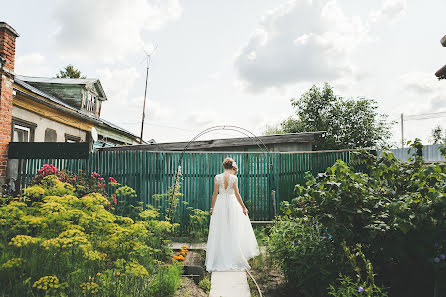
231, 240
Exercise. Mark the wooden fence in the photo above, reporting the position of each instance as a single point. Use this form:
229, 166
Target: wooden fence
152, 173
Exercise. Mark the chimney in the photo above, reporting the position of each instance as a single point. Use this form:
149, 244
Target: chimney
7, 57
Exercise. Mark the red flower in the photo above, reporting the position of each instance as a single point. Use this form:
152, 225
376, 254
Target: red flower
112, 180
114, 199
101, 179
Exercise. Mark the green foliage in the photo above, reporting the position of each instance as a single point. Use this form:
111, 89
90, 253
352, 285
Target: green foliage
197, 224
348, 123
308, 259
70, 72
394, 209
172, 196
205, 284
363, 273
55, 241
438, 135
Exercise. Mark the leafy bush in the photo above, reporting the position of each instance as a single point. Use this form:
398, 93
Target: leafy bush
308, 259
364, 285
395, 210
58, 241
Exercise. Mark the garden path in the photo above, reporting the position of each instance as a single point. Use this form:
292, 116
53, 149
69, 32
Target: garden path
229, 284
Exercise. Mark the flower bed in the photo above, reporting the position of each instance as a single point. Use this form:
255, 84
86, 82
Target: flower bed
66, 237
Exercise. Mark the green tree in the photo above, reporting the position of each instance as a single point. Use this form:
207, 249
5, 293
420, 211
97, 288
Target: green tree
347, 123
438, 135
70, 72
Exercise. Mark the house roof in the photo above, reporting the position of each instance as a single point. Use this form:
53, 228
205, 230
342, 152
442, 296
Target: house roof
64, 81
306, 137
80, 113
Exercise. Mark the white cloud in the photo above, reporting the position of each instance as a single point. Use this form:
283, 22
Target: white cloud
117, 82
428, 93
300, 41
391, 10
107, 30
309, 41
32, 64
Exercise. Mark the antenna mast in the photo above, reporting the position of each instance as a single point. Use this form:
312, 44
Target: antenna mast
147, 59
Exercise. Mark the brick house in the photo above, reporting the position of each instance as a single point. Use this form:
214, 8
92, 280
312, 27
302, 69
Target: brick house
36, 109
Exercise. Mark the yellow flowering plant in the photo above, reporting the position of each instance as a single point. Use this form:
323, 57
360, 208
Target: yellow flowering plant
59, 241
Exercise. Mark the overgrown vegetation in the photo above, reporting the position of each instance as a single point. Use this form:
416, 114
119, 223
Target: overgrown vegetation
395, 210
66, 237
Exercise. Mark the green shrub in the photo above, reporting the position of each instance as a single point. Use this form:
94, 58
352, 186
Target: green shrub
55, 242
395, 210
364, 284
308, 258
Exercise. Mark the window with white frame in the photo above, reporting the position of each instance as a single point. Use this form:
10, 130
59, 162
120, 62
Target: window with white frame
22, 130
21, 134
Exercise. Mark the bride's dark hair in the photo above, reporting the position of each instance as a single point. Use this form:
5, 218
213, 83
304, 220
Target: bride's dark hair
227, 163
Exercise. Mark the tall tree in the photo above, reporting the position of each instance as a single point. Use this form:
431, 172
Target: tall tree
70, 72
438, 135
348, 123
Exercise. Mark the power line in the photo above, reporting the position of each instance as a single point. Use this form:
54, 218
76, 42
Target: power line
425, 116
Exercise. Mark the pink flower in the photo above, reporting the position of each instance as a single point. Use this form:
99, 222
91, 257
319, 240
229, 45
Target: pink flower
101, 179
112, 180
114, 199
94, 174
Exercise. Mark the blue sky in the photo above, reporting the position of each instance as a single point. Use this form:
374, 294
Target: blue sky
240, 62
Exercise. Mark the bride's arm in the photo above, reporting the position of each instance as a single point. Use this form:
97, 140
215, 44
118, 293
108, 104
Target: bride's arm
214, 196
239, 198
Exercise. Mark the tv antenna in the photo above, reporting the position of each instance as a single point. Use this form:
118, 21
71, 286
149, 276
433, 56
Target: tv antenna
148, 59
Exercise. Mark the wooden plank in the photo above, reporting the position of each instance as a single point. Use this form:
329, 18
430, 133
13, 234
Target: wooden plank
54, 150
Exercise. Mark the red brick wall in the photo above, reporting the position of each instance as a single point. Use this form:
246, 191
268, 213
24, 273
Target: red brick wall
7, 52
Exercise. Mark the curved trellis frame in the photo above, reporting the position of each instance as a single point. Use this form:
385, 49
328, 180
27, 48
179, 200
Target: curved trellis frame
245, 132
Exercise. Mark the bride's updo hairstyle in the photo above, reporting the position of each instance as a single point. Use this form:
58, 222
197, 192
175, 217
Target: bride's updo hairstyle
227, 163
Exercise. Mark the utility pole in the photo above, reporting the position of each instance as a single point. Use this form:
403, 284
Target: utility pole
147, 59
402, 130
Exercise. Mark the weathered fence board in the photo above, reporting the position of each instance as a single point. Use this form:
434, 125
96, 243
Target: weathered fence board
152, 173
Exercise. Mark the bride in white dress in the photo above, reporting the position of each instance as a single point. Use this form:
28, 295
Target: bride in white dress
231, 241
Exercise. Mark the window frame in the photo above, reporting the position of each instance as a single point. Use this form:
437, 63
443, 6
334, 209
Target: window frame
29, 126
72, 138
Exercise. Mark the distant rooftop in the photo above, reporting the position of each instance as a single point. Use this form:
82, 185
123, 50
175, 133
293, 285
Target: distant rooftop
304, 137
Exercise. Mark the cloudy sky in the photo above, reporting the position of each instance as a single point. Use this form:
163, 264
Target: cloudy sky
238, 63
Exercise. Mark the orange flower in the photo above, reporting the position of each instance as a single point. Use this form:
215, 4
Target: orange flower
118, 273
178, 253
183, 253
184, 247
176, 257
181, 258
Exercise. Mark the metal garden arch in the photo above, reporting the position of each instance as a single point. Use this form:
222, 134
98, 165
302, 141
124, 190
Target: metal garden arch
251, 136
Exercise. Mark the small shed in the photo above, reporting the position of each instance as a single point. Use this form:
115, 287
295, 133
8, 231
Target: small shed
290, 142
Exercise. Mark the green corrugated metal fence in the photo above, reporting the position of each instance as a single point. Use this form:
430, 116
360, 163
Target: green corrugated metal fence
152, 173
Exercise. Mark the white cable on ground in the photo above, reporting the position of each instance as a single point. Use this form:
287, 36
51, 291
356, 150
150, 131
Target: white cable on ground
258, 288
